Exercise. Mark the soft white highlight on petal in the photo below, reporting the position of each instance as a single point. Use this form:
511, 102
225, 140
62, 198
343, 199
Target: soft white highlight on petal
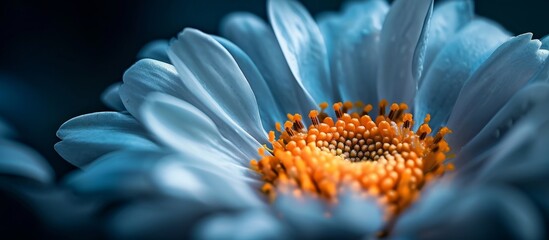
268, 108
87, 137
21, 161
157, 50
448, 19
543, 74
242, 225
218, 85
183, 127
402, 48
506, 71
455, 63
257, 39
111, 97
303, 47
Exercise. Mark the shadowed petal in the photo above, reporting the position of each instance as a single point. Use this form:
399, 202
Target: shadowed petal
214, 78
455, 63
355, 51
87, 137
157, 50
450, 212
257, 39
21, 161
525, 105
303, 47
402, 49
505, 72
111, 97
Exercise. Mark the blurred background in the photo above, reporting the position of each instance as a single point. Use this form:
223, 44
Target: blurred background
56, 57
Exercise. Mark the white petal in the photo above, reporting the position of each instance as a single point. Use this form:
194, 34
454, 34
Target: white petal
251, 34
545, 43
216, 82
185, 128
21, 161
147, 76
490, 87
268, 108
111, 97
303, 47
402, 49
448, 19
87, 137
455, 63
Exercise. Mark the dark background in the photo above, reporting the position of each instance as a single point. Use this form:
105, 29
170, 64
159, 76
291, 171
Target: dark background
56, 57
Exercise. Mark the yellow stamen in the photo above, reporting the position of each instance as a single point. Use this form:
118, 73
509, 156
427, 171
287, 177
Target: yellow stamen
384, 158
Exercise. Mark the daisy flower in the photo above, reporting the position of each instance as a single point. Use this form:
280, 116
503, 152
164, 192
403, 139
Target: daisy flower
408, 121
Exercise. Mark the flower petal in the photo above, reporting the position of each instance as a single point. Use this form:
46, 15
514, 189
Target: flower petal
448, 19
216, 82
157, 50
87, 137
21, 161
455, 63
496, 80
268, 108
257, 39
355, 52
545, 43
111, 97
451, 212
525, 105
237, 226
543, 74
185, 128
402, 49
147, 76
136, 174
303, 46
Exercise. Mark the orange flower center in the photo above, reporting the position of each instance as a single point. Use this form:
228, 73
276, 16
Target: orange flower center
382, 158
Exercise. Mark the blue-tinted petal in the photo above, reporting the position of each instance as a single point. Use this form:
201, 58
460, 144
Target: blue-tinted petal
545, 43
455, 63
355, 52
157, 50
87, 137
185, 128
303, 46
543, 74
402, 48
507, 70
21, 161
257, 39
449, 212
448, 19
148, 76
217, 82
111, 97
521, 158
268, 108
525, 105
241, 225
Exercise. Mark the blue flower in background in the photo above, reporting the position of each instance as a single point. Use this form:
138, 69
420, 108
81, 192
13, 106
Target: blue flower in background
174, 160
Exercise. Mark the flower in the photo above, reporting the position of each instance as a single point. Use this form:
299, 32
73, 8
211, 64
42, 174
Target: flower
181, 158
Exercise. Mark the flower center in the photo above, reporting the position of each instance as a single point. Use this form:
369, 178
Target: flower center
382, 157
